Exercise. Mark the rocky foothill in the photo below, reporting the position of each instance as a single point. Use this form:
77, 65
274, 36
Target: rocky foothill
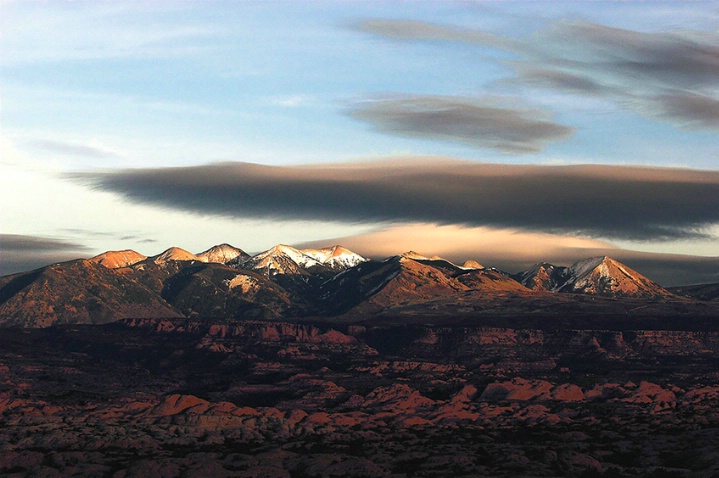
177, 397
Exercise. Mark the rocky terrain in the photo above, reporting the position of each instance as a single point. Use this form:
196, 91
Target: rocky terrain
321, 363
181, 397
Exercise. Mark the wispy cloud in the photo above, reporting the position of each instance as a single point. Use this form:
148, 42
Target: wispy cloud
665, 75
291, 101
74, 149
600, 201
419, 30
480, 122
96, 30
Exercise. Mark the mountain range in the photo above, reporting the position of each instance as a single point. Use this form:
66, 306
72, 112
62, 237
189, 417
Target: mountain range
331, 283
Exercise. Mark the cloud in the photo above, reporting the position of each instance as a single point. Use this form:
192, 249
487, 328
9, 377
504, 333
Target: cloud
672, 269
83, 31
483, 123
291, 101
672, 76
600, 201
22, 253
74, 149
511, 248
695, 110
514, 251
418, 30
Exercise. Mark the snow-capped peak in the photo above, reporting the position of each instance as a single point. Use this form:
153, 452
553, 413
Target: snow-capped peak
283, 259
296, 255
585, 266
280, 259
414, 256
222, 254
336, 257
606, 276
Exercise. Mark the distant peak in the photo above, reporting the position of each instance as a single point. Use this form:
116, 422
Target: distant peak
283, 248
175, 254
338, 250
470, 264
220, 247
118, 259
222, 253
414, 256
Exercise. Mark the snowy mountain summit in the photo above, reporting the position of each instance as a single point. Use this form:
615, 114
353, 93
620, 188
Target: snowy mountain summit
596, 276
280, 259
606, 276
336, 257
286, 260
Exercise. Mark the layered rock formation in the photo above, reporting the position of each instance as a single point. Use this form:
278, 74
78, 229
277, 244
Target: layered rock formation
162, 397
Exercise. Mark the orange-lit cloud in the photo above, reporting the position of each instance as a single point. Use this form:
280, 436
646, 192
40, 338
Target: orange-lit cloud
483, 244
513, 251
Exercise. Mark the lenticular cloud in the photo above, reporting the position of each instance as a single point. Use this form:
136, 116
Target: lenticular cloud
598, 201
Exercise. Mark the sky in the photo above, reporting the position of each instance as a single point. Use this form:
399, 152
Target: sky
504, 132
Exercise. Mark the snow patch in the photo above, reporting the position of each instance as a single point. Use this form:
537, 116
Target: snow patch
246, 283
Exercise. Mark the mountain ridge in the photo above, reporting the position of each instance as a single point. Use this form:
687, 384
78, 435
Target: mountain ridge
285, 282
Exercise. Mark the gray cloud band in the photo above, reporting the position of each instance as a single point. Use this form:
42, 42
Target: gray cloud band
19, 242
602, 201
669, 76
481, 123
20, 253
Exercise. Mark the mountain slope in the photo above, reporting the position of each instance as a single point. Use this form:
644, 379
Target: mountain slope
700, 292
75, 292
215, 290
543, 277
374, 286
475, 277
490, 281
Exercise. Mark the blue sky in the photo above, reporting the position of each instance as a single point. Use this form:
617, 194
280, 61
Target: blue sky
102, 87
